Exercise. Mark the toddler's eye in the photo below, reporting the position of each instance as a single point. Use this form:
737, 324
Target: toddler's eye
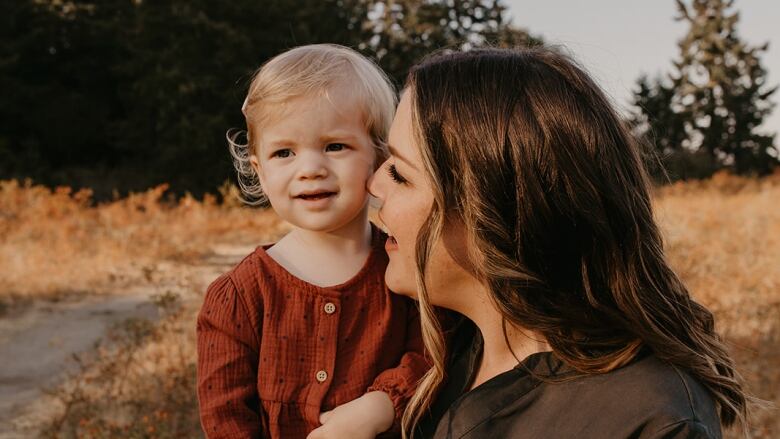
282, 153
335, 147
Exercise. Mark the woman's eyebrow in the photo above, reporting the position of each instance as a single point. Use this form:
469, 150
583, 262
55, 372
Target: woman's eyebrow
394, 153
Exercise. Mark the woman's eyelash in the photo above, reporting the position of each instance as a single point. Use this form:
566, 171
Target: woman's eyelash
395, 175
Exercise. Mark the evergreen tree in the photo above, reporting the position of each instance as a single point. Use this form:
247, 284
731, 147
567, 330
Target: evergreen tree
709, 110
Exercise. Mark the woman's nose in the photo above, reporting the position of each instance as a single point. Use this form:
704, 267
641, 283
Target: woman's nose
373, 184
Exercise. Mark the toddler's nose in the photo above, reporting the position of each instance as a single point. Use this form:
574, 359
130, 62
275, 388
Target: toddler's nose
313, 166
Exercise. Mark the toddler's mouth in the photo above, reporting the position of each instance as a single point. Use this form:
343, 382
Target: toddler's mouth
315, 195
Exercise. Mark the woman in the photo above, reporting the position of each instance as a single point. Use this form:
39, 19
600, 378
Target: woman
518, 197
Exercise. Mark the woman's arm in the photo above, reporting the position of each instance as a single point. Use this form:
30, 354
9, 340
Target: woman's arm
379, 410
362, 418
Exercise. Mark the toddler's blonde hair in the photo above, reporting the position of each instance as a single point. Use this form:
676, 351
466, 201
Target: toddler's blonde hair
310, 70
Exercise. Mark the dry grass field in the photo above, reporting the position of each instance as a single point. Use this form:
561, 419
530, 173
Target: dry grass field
723, 239
56, 243
722, 236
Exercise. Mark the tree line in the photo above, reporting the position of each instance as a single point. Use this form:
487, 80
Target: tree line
131, 93
125, 94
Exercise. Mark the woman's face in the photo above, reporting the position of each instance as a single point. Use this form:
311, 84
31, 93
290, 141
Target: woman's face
403, 188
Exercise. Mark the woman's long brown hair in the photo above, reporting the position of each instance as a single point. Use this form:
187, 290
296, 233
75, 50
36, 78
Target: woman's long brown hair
525, 150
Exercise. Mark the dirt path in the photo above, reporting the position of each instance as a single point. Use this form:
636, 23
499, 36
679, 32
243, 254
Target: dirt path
37, 345
38, 342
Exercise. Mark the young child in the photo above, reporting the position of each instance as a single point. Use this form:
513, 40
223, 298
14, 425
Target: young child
303, 337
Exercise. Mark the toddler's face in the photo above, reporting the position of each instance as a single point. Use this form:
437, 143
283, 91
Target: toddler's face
314, 157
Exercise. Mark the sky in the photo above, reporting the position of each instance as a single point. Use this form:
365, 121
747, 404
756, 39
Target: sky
617, 41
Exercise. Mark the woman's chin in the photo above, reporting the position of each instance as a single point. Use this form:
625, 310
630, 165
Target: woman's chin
399, 285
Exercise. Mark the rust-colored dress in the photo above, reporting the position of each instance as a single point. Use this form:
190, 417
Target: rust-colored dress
274, 351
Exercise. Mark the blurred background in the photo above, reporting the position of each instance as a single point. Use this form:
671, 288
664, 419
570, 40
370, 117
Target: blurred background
118, 202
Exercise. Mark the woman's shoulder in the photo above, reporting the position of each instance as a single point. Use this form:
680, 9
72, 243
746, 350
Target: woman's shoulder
653, 394
659, 381
545, 398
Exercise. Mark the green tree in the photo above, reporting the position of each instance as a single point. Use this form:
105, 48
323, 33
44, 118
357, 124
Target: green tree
58, 95
707, 113
128, 93
399, 33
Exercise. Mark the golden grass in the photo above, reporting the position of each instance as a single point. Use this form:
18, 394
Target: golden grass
722, 236
723, 239
56, 242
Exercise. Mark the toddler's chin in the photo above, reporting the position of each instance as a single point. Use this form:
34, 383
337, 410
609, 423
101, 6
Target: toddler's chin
325, 223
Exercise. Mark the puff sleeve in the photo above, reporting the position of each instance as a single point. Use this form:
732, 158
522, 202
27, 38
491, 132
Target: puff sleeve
401, 381
228, 345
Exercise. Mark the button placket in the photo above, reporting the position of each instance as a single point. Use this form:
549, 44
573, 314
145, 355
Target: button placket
327, 336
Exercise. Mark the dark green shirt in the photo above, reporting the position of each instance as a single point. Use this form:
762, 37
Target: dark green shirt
544, 398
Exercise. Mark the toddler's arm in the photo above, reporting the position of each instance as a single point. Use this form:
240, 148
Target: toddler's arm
228, 346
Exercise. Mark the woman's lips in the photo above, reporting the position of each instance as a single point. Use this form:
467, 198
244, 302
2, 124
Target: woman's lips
391, 244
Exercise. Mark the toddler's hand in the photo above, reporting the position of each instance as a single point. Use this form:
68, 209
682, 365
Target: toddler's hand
361, 418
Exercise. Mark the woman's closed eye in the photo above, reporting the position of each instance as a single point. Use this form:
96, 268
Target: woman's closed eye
393, 171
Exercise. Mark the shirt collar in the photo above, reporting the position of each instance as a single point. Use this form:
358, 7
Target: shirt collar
481, 403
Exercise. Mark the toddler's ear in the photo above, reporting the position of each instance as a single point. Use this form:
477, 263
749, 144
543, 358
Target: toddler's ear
255, 162
243, 107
